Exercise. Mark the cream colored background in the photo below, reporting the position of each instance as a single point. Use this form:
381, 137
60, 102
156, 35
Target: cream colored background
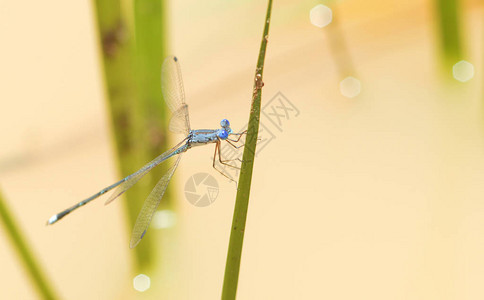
376, 197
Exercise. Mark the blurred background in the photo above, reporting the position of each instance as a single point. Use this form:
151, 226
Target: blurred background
368, 184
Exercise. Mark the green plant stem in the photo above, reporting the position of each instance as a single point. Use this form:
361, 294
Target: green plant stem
448, 16
237, 230
150, 25
24, 252
338, 46
127, 116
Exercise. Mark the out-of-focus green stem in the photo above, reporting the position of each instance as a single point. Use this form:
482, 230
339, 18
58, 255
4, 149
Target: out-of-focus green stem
150, 25
448, 12
127, 115
24, 252
339, 49
237, 230
150, 30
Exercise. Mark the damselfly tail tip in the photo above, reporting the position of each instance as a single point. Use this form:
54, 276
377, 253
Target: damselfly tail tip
52, 220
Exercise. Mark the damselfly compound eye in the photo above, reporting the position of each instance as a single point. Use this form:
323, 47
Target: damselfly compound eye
225, 123
223, 134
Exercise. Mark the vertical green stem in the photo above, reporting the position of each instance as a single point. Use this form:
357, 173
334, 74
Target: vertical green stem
449, 26
150, 28
24, 252
118, 48
237, 230
338, 46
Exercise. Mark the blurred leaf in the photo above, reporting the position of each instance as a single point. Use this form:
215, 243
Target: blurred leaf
448, 13
150, 24
150, 27
127, 108
25, 254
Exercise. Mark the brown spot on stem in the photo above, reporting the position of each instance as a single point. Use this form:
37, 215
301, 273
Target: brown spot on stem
112, 39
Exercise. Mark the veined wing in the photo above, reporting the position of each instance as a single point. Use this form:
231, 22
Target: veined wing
179, 120
129, 181
174, 95
150, 205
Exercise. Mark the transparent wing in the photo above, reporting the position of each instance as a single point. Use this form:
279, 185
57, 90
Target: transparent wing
174, 95
129, 181
178, 121
150, 206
